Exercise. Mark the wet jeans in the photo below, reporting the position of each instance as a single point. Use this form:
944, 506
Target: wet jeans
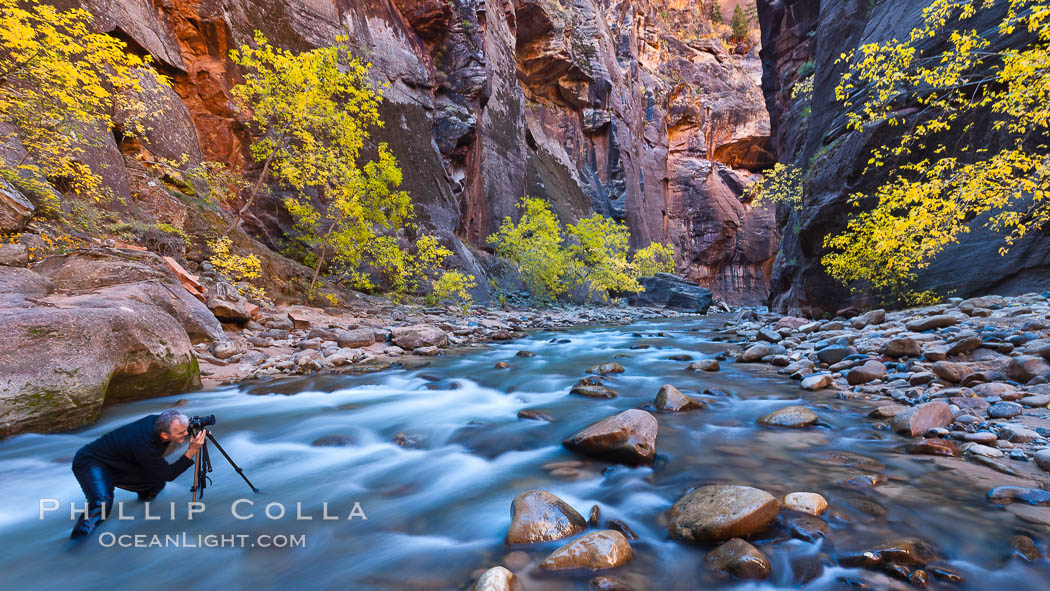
97, 481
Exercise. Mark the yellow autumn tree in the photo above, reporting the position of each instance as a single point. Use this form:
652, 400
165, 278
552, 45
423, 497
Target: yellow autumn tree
939, 177
61, 87
310, 115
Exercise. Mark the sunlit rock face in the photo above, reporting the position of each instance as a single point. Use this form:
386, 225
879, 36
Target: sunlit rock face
632, 109
802, 36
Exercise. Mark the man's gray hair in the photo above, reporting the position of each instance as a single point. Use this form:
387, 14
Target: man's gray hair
167, 418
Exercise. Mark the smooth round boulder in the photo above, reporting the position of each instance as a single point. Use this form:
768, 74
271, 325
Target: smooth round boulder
919, 419
791, 417
721, 512
738, 559
417, 336
1042, 459
817, 381
807, 502
628, 437
902, 347
755, 353
358, 337
1005, 410
951, 372
539, 516
595, 551
671, 399
1026, 367
871, 370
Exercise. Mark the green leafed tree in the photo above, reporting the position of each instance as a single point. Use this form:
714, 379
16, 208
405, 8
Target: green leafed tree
715, 12
739, 24
591, 255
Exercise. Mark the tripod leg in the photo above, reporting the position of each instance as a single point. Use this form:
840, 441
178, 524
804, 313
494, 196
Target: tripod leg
196, 473
232, 463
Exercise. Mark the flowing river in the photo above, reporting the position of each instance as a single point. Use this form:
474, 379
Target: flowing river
438, 503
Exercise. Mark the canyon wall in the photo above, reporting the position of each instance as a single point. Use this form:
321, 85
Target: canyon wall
632, 109
803, 36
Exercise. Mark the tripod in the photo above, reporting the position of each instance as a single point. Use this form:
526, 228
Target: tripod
202, 466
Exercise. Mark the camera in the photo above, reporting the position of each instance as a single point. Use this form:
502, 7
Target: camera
198, 423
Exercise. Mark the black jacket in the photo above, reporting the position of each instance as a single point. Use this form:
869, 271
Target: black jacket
134, 452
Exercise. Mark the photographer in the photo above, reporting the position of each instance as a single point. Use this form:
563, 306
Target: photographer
132, 458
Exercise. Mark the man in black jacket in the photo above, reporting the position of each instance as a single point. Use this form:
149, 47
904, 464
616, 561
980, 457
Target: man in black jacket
132, 458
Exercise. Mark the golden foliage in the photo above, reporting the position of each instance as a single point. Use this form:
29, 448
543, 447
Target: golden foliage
933, 191
62, 88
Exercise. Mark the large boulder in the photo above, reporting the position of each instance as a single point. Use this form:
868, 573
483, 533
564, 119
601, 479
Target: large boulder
664, 290
628, 437
227, 303
721, 512
358, 337
90, 328
1026, 367
539, 516
871, 370
417, 336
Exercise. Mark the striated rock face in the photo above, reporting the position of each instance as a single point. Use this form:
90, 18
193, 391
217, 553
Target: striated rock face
90, 328
627, 108
802, 36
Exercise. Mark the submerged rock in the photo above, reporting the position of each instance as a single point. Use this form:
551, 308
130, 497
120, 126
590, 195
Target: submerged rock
606, 368
792, 417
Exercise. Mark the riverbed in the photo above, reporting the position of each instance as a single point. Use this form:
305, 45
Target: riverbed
403, 479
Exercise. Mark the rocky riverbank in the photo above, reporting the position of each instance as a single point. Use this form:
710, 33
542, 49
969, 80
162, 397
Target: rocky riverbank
965, 378
296, 340
964, 382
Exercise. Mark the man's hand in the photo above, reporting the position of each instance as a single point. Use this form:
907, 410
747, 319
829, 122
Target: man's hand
196, 443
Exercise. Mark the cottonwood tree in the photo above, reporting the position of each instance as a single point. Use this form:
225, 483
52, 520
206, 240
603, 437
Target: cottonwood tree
61, 88
934, 190
310, 113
